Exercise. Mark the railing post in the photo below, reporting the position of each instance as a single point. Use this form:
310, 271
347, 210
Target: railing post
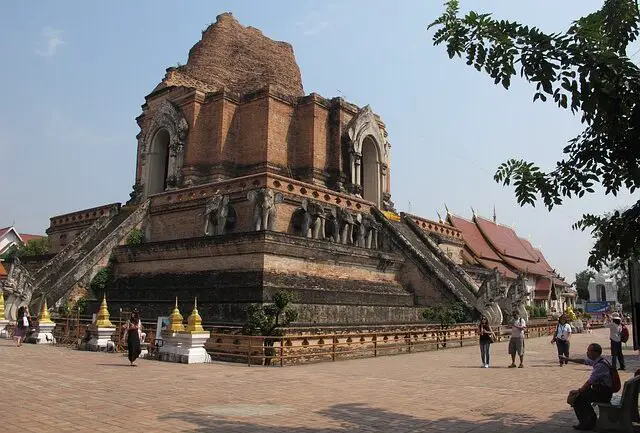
282, 352
333, 348
249, 353
437, 339
375, 346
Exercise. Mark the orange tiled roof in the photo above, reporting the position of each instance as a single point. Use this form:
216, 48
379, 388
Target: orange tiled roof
3, 272
26, 237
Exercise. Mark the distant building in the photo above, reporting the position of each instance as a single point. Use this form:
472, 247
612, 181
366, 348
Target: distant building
603, 288
10, 237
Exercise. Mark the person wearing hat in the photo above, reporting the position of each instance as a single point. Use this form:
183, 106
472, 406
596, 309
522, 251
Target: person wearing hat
614, 323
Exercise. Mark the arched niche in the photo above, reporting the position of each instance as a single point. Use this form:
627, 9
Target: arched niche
161, 149
368, 156
370, 176
158, 162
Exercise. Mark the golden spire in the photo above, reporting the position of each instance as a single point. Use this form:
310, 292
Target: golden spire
1, 305
102, 320
44, 313
175, 320
194, 322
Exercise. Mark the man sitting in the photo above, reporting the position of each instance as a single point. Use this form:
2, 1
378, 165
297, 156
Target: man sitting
598, 388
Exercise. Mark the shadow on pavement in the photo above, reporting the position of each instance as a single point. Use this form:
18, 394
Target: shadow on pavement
358, 417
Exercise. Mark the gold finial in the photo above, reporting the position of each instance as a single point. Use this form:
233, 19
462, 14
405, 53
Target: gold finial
102, 321
44, 313
194, 322
175, 320
1, 305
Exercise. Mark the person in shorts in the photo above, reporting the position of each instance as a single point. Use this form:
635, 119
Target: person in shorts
516, 341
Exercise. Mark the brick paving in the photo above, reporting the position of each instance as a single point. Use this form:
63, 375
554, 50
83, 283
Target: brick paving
55, 389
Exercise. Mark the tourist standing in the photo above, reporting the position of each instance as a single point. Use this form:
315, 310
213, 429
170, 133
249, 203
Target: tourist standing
614, 323
516, 342
133, 331
561, 338
598, 388
22, 325
486, 338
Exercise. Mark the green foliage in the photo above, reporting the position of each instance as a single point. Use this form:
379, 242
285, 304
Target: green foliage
584, 70
269, 319
34, 247
542, 312
81, 305
101, 281
445, 315
136, 237
582, 283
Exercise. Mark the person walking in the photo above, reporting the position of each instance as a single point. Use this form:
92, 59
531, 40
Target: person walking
597, 388
486, 338
561, 338
516, 342
22, 325
133, 331
614, 324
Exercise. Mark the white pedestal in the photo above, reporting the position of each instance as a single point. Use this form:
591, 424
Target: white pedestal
100, 338
171, 344
44, 335
3, 328
192, 349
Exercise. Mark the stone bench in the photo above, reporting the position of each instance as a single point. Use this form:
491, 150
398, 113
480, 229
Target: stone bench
620, 414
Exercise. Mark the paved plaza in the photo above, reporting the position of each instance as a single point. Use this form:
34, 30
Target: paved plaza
55, 389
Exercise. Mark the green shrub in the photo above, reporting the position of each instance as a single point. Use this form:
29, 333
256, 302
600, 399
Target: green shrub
136, 237
101, 281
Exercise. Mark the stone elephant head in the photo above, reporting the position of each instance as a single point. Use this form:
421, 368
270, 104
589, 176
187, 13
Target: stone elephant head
332, 226
264, 202
309, 220
368, 229
219, 215
347, 226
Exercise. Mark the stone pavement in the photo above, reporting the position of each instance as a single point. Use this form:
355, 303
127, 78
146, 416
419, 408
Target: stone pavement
54, 389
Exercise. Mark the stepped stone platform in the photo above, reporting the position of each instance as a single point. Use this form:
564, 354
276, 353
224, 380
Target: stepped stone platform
447, 390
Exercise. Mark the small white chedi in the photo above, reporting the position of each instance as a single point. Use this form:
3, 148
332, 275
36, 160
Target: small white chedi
185, 345
102, 330
44, 333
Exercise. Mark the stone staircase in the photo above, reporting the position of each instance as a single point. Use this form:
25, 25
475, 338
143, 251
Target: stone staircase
78, 260
429, 258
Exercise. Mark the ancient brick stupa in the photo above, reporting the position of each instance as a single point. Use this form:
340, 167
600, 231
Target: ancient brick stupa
244, 187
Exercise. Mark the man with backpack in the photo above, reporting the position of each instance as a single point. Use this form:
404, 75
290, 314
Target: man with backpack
617, 333
599, 387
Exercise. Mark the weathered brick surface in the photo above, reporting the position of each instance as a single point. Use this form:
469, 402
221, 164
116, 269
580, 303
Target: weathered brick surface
74, 391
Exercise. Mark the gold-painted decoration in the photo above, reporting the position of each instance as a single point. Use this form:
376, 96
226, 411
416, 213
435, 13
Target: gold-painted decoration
102, 321
1, 305
44, 314
175, 320
194, 322
391, 215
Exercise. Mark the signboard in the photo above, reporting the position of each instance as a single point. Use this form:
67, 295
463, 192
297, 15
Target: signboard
163, 322
634, 285
597, 307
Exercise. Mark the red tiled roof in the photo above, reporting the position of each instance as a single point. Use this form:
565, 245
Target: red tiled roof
504, 270
541, 295
3, 272
26, 237
4, 230
474, 239
504, 240
543, 284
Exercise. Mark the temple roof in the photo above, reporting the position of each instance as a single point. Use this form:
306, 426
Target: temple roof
239, 59
494, 246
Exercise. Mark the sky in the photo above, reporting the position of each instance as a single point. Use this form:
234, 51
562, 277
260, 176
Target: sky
77, 72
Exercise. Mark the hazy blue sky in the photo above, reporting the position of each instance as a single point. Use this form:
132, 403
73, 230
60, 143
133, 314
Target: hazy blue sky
75, 74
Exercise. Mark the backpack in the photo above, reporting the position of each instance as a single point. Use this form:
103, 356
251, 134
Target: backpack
624, 334
616, 384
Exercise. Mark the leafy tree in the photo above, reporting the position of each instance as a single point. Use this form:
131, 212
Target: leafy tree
36, 247
101, 281
269, 320
582, 283
585, 70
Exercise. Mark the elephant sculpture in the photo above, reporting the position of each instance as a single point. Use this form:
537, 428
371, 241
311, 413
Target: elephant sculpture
309, 220
347, 226
360, 231
219, 215
264, 202
332, 226
371, 229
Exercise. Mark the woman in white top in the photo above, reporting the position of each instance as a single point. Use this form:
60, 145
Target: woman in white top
561, 338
